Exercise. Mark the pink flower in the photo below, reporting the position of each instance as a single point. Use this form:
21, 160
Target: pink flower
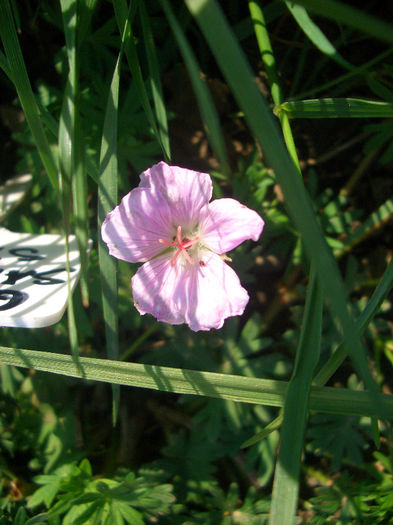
168, 224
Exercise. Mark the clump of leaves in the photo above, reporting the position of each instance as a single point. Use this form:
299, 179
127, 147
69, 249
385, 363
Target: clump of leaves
73, 497
356, 499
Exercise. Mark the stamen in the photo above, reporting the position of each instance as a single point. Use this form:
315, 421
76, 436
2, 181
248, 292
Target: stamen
181, 244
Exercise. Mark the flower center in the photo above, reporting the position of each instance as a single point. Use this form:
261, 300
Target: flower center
182, 246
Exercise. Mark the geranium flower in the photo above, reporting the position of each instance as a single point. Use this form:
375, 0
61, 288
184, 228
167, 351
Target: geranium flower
168, 223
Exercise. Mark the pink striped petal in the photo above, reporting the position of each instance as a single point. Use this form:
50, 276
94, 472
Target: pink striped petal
225, 223
202, 295
185, 191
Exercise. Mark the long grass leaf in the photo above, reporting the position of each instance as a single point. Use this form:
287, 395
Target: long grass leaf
336, 108
19, 76
107, 200
205, 102
239, 76
267, 392
155, 81
317, 37
340, 12
286, 479
67, 159
131, 53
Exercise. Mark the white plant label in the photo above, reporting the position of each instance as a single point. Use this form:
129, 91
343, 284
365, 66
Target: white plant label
33, 278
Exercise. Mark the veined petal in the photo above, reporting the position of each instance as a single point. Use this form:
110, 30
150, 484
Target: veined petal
159, 289
226, 223
185, 191
132, 230
215, 294
202, 295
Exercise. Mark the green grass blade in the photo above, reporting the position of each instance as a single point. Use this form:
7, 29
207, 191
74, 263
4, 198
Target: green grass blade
350, 16
73, 149
205, 102
107, 200
336, 108
66, 164
19, 76
267, 392
286, 479
67, 159
313, 32
155, 81
130, 50
239, 76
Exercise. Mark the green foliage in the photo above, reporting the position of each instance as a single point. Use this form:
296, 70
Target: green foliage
72, 495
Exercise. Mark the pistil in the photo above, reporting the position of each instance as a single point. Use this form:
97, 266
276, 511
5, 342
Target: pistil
182, 245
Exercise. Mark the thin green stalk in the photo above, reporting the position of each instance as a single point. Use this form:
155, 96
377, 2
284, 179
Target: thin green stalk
137, 343
155, 81
131, 53
267, 55
342, 79
339, 12
67, 158
204, 99
20, 79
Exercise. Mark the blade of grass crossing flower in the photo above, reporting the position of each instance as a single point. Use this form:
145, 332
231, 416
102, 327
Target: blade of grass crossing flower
107, 200
131, 53
205, 102
316, 36
258, 115
67, 158
267, 56
286, 479
242, 389
20, 79
335, 108
350, 16
155, 81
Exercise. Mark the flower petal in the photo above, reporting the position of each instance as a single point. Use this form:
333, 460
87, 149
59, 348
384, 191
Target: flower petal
225, 223
185, 191
202, 295
167, 197
159, 289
